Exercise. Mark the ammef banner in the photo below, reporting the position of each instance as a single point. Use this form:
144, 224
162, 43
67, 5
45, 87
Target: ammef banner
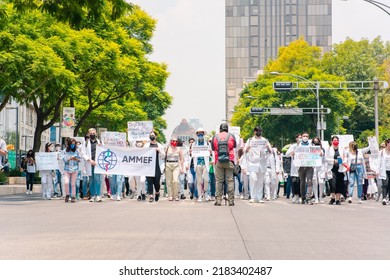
125, 161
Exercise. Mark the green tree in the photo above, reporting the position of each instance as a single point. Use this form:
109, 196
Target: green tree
299, 59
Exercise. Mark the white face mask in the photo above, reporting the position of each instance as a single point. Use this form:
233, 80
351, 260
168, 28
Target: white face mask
305, 139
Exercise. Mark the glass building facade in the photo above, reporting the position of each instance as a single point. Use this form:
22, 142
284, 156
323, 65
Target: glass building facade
255, 29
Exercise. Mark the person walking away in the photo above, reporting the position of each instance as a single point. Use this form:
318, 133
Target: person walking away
223, 145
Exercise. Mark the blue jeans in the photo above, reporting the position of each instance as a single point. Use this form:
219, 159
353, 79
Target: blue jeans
181, 183
85, 185
94, 183
193, 188
357, 175
288, 186
58, 189
211, 189
116, 182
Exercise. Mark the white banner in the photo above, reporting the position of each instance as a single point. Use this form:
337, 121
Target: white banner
344, 141
258, 144
46, 161
139, 130
68, 122
307, 156
235, 130
125, 161
113, 138
200, 151
374, 156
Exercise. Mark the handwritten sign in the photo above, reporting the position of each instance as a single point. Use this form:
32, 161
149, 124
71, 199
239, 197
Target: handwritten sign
113, 138
374, 150
307, 156
139, 130
46, 161
258, 144
200, 151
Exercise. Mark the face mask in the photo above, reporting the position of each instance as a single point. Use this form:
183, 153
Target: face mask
173, 144
152, 137
335, 143
72, 146
92, 136
305, 139
57, 149
316, 143
200, 136
258, 133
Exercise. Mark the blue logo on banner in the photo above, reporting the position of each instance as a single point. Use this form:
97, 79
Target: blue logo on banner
107, 160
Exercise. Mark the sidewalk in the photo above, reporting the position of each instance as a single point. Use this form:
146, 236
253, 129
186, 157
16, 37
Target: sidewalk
17, 189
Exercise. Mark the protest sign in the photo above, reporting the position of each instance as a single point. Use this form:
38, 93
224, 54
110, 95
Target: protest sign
200, 151
46, 161
307, 156
125, 161
114, 138
139, 130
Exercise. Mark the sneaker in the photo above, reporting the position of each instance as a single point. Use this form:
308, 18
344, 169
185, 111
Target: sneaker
30, 192
261, 201
208, 198
27, 192
338, 202
91, 199
213, 198
157, 197
241, 197
118, 198
98, 198
231, 203
143, 196
360, 201
67, 198
384, 202
139, 198
191, 196
303, 201
350, 200
108, 195
316, 201
182, 196
200, 199
151, 199
217, 203
73, 199
177, 199
332, 201
295, 199
252, 201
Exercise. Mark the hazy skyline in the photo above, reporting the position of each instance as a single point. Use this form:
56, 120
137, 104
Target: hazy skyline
190, 38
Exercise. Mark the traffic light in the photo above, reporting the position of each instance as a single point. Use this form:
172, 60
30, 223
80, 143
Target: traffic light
257, 110
283, 86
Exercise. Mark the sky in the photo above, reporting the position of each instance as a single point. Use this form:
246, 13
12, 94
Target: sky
190, 38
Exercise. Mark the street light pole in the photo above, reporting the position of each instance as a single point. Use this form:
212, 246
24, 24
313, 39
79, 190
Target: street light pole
317, 93
376, 89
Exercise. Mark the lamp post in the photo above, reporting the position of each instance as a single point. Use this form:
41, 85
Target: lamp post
16, 134
317, 94
378, 4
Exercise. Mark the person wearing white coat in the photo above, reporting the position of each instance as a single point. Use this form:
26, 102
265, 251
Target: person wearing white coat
335, 160
47, 176
257, 150
384, 172
95, 180
160, 156
319, 174
294, 170
201, 165
271, 175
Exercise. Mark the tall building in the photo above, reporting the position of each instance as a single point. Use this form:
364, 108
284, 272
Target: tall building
255, 29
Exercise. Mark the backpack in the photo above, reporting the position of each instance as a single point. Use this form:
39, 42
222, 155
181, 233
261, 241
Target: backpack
223, 148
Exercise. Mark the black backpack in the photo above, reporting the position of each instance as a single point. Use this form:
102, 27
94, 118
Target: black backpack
223, 148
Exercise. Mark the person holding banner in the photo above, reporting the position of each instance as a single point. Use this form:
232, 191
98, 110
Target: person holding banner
335, 159
155, 181
258, 150
95, 180
357, 169
201, 163
71, 157
47, 175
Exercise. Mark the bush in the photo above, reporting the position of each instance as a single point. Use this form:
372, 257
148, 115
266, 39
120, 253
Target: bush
15, 173
3, 177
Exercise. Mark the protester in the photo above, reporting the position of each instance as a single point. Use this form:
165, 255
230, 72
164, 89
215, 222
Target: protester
384, 171
95, 180
30, 167
174, 165
294, 170
154, 182
71, 157
47, 176
319, 174
223, 145
335, 159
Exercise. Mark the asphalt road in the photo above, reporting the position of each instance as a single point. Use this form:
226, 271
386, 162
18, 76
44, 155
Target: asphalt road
32, 228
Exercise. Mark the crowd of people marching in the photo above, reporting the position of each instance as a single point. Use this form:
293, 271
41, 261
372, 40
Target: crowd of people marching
230, 168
